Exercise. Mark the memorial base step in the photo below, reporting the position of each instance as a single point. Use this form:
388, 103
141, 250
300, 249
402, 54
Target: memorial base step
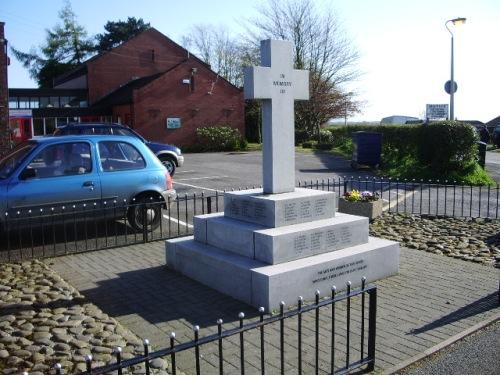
259, 284
283, 244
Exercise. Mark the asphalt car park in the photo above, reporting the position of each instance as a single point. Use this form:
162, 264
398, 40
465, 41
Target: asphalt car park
233, 170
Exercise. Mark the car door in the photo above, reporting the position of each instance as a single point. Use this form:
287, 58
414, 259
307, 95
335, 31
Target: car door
58, 175
123, 170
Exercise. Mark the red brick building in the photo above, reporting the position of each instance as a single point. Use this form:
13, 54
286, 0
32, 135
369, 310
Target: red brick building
149, 83
4, 95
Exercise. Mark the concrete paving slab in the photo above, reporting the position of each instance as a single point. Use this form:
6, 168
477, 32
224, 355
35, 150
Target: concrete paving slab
432, 298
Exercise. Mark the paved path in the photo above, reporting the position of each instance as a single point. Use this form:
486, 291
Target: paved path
433, 298
492, 165
475, 354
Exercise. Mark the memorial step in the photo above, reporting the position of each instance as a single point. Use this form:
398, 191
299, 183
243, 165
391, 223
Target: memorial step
283, 244
276, 210
259, 284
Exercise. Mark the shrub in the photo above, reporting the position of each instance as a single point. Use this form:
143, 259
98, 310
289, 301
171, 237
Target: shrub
218, 138
323, 146
301, 136
243, 144
307, 145
325, 136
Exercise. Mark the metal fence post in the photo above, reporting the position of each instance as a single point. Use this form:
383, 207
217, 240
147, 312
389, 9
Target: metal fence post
144, 222
372, 328
209, 205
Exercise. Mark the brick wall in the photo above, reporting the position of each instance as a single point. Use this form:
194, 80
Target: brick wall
4, 93
132, 59
212, 101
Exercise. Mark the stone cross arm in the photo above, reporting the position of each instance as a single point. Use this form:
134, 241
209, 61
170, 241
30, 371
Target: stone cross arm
257, 79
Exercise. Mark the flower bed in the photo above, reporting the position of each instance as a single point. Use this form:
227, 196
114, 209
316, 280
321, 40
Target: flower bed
361, 204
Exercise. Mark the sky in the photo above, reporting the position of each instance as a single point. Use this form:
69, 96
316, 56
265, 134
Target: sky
403, 45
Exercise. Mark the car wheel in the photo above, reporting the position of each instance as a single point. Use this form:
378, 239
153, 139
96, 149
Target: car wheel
169, 163
145, 213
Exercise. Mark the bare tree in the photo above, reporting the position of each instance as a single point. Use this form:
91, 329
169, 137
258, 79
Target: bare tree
321, 46
221, 51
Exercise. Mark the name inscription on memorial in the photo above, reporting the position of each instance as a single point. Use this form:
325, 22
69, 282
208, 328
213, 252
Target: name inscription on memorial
247, 209
304, 210
330, 239
340, 270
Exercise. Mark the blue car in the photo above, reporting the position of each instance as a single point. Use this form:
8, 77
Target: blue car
171, 156
71, 171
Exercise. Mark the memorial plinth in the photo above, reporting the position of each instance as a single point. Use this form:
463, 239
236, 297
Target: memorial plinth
263, 265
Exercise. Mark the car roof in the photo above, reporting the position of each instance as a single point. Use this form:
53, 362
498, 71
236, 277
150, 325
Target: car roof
79, 138
94, 124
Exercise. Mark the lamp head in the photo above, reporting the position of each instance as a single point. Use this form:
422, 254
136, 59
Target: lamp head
458, 21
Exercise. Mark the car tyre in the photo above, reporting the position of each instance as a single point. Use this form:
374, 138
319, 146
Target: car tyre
169, 163
145, 208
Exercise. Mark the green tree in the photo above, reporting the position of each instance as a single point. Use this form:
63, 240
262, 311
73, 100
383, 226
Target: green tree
119, 32
65, 47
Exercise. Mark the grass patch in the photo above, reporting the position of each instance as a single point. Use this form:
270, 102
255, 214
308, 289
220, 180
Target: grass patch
409, 168
254, 147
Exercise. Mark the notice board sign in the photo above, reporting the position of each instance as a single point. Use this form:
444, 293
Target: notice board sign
436, 111
173, 122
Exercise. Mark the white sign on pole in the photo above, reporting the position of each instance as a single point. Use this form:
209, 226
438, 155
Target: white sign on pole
436, 111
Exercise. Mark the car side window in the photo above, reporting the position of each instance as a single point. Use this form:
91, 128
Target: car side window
119, 156
102, 130
64, 159
119, 131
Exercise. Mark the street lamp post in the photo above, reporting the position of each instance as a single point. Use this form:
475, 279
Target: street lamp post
455, 21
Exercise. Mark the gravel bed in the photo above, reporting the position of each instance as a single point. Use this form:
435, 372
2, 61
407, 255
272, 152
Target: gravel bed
471, 239
44, 321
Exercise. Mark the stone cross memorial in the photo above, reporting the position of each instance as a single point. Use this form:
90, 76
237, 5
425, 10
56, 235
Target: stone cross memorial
277, 84
280, 242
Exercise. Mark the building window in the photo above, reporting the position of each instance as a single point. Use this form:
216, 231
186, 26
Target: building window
44, 102
13, 102
54, 101
73, 101
65, 101
24, 102
34, 103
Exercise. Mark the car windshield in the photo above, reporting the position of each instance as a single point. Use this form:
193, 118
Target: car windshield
9, 163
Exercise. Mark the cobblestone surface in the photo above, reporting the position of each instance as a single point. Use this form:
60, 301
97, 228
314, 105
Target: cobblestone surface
431, 299
44, 320
471, 239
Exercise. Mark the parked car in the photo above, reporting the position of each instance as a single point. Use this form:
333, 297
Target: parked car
171, 156
43, 173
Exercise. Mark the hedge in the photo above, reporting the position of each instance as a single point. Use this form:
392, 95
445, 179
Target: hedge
444, 147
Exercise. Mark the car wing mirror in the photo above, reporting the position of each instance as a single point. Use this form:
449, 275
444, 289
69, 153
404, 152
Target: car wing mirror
27, 174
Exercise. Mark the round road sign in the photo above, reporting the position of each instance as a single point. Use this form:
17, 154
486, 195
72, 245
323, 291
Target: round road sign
447, 87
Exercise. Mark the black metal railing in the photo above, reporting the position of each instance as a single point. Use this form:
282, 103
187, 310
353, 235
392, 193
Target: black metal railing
52, 231
341, 343
437, 198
